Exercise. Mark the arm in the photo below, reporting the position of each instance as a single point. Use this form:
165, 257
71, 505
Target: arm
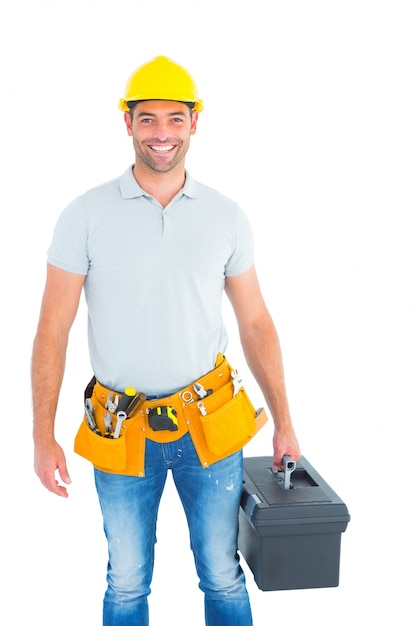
262, 351
59, 307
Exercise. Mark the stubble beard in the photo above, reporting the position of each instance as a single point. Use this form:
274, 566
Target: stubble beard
152, 162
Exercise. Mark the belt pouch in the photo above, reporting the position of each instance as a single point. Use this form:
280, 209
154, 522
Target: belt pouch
107, 453
103, 452
233, 424
229, 421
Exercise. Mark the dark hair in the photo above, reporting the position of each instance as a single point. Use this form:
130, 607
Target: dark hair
132, 103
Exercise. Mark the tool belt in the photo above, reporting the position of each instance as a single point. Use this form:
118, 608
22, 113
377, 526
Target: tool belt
215, 410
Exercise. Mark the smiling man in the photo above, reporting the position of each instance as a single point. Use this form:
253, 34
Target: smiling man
163, 396
161, 133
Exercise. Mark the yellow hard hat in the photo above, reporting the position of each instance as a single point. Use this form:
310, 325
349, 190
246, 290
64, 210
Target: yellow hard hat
160, 79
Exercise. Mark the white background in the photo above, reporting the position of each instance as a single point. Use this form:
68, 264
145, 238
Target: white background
310, 123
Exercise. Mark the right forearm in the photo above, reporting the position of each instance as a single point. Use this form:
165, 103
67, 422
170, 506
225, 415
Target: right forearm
48, 364
58, 310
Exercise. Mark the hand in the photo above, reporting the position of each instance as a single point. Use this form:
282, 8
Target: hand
50, 458
285, 443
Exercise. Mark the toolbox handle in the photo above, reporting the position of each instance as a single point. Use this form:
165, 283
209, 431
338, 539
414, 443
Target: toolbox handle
289, 466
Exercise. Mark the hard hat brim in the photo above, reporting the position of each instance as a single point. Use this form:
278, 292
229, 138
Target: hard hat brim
126, 105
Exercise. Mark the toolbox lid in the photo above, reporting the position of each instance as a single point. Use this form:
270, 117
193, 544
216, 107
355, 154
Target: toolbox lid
309, 500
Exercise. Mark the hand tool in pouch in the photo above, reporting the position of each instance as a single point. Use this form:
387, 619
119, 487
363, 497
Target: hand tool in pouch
122, 409
89, 414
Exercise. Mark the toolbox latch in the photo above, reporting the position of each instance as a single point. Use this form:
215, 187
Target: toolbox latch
252, 501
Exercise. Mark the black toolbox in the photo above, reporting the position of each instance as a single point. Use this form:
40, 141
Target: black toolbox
290, 525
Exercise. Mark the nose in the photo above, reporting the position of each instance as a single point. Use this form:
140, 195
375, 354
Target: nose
161, 131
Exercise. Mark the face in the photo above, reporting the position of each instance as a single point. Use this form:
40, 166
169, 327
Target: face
161, 132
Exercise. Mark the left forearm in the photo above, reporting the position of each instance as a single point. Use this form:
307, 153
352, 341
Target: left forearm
263, 354
262, 351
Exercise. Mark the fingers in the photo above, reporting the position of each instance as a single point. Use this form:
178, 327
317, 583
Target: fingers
284, 445
47, 464
63, 473
53, 486
277, 461
50, 482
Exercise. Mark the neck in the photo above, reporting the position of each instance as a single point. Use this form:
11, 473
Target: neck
162, 186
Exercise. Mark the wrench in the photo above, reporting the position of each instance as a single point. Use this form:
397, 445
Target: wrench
122, 407
237, 382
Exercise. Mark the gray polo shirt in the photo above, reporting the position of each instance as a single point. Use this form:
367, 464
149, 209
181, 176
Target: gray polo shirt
154, 278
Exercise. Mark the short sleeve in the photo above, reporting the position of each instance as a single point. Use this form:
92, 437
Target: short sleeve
242, 257
69, 246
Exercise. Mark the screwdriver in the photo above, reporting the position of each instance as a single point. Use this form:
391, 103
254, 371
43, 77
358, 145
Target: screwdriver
121, 411
137, 402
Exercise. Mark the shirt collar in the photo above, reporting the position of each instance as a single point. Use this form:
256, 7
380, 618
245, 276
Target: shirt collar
130, 188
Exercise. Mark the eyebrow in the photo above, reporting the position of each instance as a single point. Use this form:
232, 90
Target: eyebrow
174, 113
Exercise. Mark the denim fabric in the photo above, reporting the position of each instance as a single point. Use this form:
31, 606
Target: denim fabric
210, 497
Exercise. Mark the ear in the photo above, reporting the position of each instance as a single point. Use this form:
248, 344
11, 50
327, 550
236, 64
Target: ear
194, 119
128, 123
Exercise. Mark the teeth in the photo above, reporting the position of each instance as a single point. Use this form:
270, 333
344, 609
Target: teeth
162, 148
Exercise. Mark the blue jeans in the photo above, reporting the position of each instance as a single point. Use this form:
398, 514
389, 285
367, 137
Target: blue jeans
210, 497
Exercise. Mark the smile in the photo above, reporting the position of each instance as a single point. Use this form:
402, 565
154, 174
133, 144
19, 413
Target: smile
166, 148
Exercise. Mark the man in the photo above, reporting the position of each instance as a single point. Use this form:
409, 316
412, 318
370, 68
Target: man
154, 250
